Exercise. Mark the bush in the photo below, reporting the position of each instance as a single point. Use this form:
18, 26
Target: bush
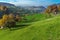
17, 18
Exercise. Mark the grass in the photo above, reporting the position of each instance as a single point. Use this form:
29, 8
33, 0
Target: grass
47, 29
35, 17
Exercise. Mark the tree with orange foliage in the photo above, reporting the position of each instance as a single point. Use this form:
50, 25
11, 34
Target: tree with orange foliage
52, 9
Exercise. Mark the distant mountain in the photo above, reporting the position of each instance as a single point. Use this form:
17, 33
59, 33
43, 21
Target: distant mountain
33, 9
22, 9
40, 8
37, 9
6, 4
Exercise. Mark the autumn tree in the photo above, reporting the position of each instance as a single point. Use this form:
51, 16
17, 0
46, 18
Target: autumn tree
11, 21
5, 17
52, 9
3, 21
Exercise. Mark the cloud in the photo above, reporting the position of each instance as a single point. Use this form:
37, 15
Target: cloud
32, 2
24, 2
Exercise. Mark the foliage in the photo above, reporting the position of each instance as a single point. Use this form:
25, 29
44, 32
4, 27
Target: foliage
11, 21
5, 17
3, 21
55, 9
17, 18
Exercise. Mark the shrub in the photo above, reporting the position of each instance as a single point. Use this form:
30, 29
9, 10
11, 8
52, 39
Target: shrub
11, 22
17, 18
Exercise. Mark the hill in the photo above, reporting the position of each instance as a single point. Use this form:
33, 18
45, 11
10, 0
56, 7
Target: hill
6, 4
32, 9
48, 29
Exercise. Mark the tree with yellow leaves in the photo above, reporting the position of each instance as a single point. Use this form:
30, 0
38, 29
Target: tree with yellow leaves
3, 21
11, 16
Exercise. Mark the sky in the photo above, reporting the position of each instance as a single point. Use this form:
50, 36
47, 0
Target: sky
32, 2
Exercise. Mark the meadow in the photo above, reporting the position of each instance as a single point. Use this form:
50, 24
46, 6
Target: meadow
34, 27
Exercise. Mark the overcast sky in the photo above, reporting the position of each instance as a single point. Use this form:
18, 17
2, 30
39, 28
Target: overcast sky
32, 2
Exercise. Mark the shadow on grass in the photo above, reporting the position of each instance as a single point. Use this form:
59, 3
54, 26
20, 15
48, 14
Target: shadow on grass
21, 26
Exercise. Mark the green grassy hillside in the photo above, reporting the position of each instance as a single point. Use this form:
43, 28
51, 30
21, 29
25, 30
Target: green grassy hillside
35, 17
48, 29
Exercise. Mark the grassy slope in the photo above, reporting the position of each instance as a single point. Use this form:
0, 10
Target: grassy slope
41, 30
35, 17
